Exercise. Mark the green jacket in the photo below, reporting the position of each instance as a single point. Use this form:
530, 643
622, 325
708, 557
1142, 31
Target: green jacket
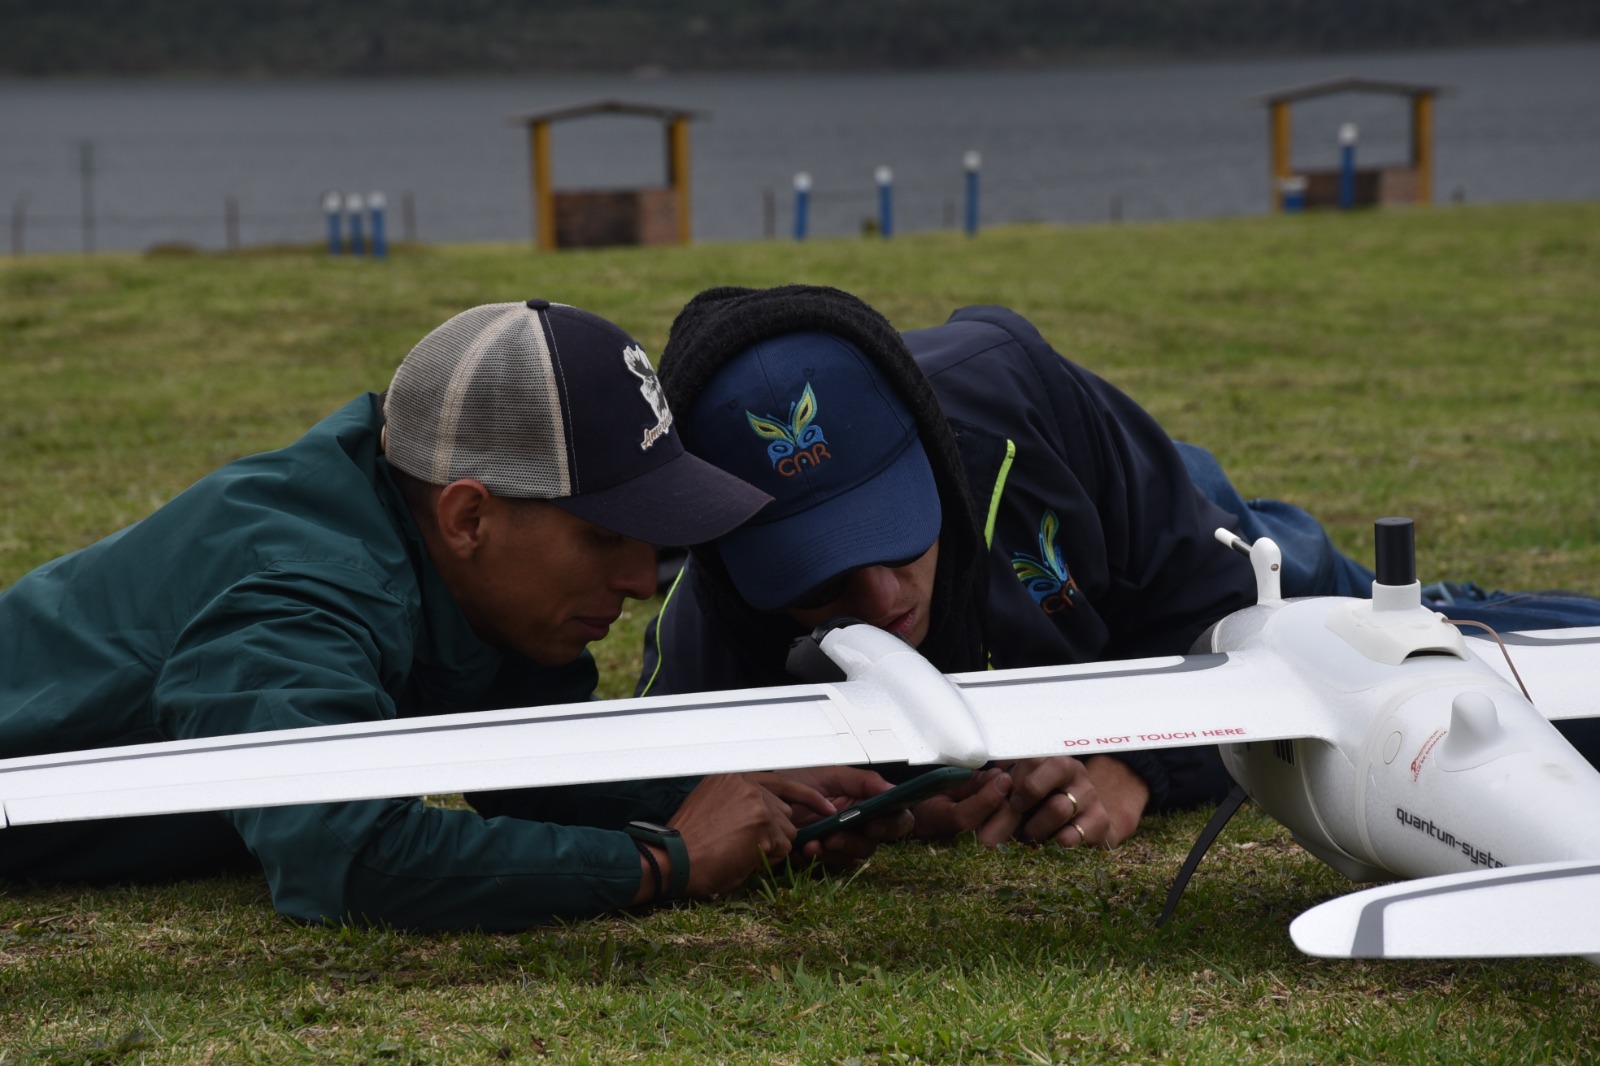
292, 589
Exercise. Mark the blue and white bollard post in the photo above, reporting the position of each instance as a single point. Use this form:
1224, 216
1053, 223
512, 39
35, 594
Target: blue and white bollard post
802, 203
970, 162
352, 209
1293, 190
375, 205
1347, 166
331, 206
885, 179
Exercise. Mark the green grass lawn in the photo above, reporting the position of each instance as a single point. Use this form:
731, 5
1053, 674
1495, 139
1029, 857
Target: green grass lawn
1443, 364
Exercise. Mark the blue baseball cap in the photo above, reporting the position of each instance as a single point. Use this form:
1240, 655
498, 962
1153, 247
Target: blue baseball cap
807, 419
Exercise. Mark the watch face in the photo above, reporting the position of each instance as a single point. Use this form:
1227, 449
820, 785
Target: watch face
652, 827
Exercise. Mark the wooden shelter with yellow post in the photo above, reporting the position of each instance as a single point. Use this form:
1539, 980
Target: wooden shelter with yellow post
590, 218
1411, 183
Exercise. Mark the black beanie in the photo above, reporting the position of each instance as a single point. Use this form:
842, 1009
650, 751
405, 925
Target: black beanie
720, 324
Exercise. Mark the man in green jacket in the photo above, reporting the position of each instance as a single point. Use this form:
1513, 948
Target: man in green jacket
453, 544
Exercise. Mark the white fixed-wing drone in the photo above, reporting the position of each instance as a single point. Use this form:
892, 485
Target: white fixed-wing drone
1390, 745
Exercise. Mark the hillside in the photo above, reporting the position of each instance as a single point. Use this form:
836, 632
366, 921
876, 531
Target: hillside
262, 38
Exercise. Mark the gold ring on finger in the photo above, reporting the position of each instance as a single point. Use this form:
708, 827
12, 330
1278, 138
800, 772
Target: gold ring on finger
1083, 837
1074, 801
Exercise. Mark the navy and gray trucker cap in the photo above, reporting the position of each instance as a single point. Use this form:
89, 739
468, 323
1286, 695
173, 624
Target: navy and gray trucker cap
544, 401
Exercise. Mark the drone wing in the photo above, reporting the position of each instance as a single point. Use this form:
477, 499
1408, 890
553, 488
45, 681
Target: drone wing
1143, 703
595, 741
1542, 909
1559, 666
899, 709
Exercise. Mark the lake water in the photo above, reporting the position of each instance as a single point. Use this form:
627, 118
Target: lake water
1152, 141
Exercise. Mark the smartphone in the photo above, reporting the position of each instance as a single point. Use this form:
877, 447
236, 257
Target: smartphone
898, 798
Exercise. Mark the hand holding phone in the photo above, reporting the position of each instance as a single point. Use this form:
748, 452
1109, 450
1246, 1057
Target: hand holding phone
898, 798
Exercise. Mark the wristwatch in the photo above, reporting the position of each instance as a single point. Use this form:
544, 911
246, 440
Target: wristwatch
677, 853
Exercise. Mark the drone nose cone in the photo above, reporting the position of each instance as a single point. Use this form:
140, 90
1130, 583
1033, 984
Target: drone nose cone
1474, 728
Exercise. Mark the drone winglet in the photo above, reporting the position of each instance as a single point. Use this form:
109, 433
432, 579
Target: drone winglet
1533, 910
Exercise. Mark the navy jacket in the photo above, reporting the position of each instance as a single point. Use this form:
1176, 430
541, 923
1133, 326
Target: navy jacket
1099, 546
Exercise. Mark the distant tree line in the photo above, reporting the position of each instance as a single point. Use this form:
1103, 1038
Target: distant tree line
420, 37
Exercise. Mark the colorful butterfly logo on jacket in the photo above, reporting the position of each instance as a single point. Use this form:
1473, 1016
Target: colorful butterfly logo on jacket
1046, 574
794, 442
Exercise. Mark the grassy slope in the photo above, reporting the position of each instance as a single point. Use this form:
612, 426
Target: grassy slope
1442, 364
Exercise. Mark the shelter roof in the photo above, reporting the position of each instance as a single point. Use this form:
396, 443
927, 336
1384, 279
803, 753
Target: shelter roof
1355, 85
608, 107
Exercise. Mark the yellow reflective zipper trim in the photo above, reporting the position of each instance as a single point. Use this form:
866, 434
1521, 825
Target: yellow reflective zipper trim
660, 658
994, 497
988, 524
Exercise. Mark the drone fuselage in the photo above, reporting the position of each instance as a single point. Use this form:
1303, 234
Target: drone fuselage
1437, 763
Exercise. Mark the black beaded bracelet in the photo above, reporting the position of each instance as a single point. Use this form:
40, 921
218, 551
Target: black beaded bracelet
655, 867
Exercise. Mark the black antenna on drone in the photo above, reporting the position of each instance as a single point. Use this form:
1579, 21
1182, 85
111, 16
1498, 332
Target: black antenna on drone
1395, 542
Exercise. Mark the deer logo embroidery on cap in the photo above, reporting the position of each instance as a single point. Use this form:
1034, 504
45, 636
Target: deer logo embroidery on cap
650, 386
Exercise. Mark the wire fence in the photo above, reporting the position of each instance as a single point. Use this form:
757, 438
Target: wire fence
231, 224
922, 206
228, 226
109, 182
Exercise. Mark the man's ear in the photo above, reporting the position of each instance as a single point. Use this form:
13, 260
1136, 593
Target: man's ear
460, 510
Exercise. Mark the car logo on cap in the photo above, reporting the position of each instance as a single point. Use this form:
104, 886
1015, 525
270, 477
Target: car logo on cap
794, 442
635, 360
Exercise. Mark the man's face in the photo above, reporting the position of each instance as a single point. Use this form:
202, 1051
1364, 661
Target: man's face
897, 599
546, 583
